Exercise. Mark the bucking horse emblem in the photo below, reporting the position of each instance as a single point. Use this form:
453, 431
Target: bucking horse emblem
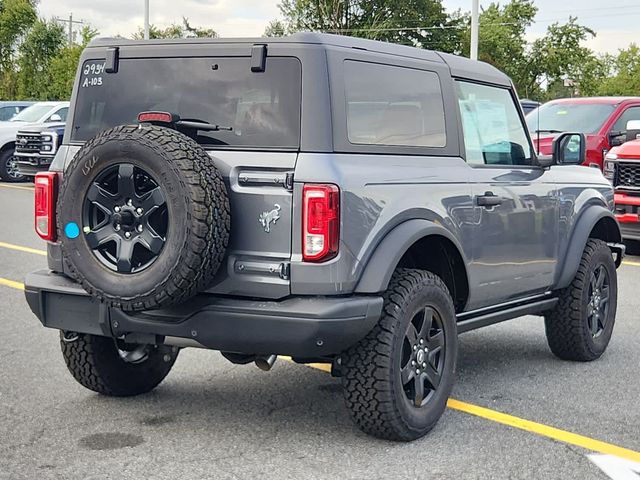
267, 218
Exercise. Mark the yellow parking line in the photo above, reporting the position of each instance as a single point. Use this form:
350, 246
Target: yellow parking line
529, 426
17, 187
630, 263
10, 283
20, 248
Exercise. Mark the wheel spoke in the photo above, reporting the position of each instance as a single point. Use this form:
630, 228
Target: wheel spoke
435, 342
601, 277
126, 185
152, 200
419, 390
412, 335
101, 198
427, 322
99, 237
604, 296
432, 376
151, 241
125, 252
593, 322
407, 373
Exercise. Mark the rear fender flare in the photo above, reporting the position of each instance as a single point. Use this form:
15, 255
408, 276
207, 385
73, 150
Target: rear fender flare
382, 263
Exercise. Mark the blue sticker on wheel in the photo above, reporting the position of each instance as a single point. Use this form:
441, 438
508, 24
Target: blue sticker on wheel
71, 230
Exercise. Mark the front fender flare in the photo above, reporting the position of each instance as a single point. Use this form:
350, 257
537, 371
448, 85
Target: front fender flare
578, 240
386, 256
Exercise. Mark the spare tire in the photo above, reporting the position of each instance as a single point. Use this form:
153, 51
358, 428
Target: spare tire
143, 217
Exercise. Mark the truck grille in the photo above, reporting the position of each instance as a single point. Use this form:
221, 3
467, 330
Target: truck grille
628, 175
28, 143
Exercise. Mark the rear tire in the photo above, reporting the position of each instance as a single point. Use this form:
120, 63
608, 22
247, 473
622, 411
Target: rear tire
97, 364
384, 373
580, 326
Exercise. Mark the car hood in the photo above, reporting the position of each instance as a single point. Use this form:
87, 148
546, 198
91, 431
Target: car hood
41, 127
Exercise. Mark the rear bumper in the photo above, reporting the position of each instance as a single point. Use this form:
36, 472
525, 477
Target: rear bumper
297, 326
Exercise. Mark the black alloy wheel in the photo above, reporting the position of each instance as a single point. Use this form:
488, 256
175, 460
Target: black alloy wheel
125, 218
423, 354
598, 307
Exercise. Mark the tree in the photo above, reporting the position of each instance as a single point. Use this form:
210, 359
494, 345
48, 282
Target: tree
42, 43
63, 67
184, 30
421, 23
620, 74
275, 28
16, 17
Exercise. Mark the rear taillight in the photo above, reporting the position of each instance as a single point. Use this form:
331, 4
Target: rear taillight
320, 222
45, 202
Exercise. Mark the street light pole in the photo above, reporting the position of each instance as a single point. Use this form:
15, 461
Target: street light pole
474, 29
146, 19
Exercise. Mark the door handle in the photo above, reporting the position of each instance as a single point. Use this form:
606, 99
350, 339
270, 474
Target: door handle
489, 199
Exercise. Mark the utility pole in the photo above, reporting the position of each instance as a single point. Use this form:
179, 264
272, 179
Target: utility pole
70, 23
146, 19
474, 29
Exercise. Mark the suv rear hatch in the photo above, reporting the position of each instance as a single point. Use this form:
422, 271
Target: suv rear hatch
256, 156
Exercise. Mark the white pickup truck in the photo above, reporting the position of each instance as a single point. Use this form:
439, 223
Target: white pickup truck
41, 112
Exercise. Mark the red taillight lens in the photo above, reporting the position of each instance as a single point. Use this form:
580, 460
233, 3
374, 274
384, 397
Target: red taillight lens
164, 117
320, 222
45, 202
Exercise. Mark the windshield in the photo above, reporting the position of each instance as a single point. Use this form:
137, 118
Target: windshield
569, 117
262, 109
31, 114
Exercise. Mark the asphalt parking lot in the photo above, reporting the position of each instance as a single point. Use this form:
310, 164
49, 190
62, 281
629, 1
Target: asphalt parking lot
212, 419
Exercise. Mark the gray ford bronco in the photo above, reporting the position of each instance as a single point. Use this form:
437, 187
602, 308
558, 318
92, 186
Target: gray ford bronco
327, 198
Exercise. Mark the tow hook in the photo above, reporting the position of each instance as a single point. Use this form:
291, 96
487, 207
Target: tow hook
265, 363
69, 337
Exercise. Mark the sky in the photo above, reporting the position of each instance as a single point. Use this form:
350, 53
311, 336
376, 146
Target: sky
616, 25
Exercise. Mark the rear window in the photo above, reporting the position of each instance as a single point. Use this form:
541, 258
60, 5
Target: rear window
389, 105
262, 108
568, 117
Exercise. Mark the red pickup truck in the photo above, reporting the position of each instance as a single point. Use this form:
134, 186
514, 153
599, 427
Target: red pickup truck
602, 119
622, 168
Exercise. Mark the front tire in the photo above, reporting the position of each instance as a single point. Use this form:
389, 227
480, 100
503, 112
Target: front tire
580, 326
397, 380
9, 168
101, 365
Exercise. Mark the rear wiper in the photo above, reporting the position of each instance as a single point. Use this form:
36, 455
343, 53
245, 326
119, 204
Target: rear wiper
175, 120
549, 130
202, 125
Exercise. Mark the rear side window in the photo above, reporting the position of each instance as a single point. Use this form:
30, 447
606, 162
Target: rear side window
262, 108
7, 112
493, 131
388, 105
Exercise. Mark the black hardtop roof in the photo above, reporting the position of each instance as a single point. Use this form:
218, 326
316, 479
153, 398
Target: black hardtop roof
459, 66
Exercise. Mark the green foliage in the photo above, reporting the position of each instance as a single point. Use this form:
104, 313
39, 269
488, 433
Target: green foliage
41, 44
275, 28
621, 73
16, 17
422, 23
184, 30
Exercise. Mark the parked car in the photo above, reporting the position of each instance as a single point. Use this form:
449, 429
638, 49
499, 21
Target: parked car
8, 110
622, 168
529, 105
36, 146
38, 113
601, 119
329, 198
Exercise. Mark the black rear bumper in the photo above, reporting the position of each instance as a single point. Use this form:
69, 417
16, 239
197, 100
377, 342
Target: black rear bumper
297, 326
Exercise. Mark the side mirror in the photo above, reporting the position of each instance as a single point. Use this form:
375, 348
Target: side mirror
633, 130
569, 149
55, 118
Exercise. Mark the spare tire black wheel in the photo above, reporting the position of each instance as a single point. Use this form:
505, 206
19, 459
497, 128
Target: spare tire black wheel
143, 217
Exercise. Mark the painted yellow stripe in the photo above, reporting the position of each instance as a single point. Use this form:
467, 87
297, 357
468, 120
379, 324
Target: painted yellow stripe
20, 248
630, 263
545, 430
11, 284
529, 426
17, 187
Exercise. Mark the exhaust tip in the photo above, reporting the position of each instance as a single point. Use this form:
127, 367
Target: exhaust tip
265, 363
